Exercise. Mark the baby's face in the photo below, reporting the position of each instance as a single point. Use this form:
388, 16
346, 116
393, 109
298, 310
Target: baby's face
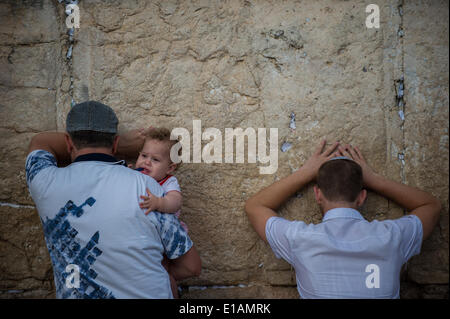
154, 158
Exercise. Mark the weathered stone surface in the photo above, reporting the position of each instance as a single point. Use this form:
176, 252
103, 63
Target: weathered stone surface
31, 66
28, 22
235, 292
238, 64
24, 260
409, 290
426, 126
14, 147
32, 69
31, 72
27, 109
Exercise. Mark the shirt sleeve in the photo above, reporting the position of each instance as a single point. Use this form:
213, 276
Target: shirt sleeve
171, 185
277, 230
411, 232
37, 161
175, 240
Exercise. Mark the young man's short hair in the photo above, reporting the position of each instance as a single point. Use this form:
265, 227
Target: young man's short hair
340, 180
83, 139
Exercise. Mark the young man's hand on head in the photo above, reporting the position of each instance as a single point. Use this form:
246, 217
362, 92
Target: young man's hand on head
355, 154
320, 156
417, 202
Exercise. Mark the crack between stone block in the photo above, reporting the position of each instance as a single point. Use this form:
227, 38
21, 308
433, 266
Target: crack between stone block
28, 44
71, 43
194, 287
401, 93
16, 205
26, 87
401, 104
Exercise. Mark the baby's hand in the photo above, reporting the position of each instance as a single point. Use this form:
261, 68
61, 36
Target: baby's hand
151, 202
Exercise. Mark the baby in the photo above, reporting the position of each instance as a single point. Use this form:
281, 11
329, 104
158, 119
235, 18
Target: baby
154, 161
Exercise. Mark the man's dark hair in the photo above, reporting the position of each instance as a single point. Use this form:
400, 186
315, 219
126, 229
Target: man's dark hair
340, 180
83, 139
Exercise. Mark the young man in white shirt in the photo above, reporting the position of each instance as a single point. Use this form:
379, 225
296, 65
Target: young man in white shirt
344, 256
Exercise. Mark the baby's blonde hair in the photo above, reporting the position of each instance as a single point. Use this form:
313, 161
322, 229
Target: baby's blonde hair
161, 134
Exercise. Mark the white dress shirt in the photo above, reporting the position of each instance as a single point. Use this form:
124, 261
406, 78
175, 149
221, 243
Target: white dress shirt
346, 256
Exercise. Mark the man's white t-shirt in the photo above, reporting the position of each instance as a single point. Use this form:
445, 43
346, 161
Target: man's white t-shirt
101, 243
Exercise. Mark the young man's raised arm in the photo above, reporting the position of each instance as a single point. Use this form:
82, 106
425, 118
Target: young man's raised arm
261, 206
417, 202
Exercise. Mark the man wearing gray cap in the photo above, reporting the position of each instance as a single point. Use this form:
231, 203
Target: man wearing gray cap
101, 243
344, 256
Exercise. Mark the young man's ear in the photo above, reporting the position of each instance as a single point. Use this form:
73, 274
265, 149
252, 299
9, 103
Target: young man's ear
115, 144
361, 198
318, 194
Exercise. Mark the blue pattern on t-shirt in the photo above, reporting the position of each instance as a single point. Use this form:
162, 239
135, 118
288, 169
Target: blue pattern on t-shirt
65, 250
174, 238
38, 160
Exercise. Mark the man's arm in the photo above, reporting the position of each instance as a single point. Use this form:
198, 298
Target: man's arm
131, 143
417, 202
53, 142
184, 259
261, 206
187, 265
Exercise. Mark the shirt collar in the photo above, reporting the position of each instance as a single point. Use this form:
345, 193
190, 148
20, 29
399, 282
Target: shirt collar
342, 212
100, 157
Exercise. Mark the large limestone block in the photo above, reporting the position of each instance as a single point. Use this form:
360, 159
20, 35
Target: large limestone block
27, 109
426, 125
225, 234
31, 66
14, 149
25, 266
25, 22
32, 54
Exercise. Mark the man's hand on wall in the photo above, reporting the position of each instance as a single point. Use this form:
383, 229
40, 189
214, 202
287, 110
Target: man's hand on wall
131, 142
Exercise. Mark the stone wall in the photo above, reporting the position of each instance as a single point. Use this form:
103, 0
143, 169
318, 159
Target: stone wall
232, 64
